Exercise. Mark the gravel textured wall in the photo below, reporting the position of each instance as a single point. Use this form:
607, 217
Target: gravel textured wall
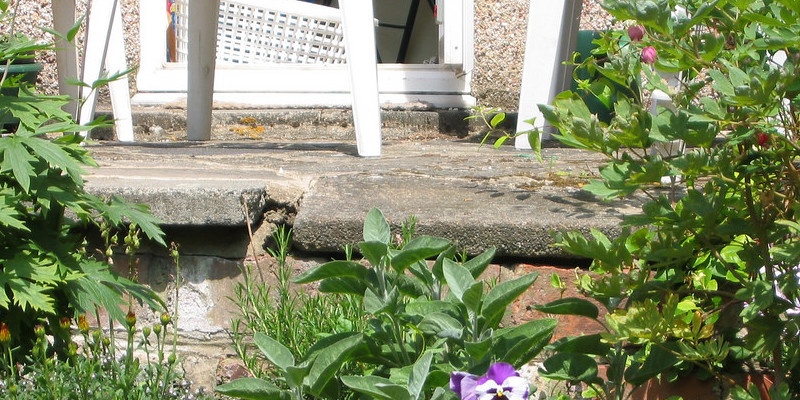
499, 43
500, 27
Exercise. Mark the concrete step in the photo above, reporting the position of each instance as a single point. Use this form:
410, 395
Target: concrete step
167, 124
477, 196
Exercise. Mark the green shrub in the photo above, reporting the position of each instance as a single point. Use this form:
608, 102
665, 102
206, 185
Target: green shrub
47, 268
425, 320
705, 277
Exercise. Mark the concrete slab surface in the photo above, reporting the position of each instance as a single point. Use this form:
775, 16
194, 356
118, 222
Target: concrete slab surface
477, 196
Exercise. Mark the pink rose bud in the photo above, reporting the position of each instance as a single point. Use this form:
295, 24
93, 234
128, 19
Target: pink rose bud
649, 54
636, 32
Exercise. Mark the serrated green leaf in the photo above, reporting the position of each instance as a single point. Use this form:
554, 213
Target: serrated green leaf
17, 159
9, 218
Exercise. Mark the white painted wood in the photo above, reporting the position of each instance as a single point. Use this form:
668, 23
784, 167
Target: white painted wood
446, 85
105, 47
299, 100
120, 88
66, 53
359, 37
451, 33
551, 38
203, 15
153, 23
98, 32
275, 78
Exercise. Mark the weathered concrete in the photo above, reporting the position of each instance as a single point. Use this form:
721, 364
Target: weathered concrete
159, 124
475, 195
475, 213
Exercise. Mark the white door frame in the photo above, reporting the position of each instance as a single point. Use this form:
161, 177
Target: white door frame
294, 85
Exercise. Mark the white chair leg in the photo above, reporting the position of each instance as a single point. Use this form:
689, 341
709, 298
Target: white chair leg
66, 55
105, 46
359, 36
551, 38
202, 50
97, 33
120, 88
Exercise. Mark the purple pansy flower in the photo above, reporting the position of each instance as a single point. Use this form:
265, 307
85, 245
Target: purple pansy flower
501, 382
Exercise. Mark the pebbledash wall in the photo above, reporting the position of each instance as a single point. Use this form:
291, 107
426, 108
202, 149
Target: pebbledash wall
499, 43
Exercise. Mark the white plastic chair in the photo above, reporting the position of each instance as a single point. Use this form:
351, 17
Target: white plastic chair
359, 36
552, 35
105, 47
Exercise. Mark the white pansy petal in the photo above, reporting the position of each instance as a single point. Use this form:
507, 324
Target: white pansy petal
515, 388
487, 390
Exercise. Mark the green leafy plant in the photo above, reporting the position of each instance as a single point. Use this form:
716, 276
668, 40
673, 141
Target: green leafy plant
493, 118
291, 316
313, 376
426, 319
47, 267
94, 365
96, 370
706, 275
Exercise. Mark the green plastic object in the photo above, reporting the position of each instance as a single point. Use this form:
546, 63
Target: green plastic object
584, 47
17, 73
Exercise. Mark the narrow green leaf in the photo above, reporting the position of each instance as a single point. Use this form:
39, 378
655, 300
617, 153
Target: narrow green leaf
570, 367
586, 344
497, 119
369, 385
329, 360
570, 306
376, 229
275, 352
419, 374
345, 285
520, 344
418, 249
332, 269
478, 264
252, 389
503, 294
